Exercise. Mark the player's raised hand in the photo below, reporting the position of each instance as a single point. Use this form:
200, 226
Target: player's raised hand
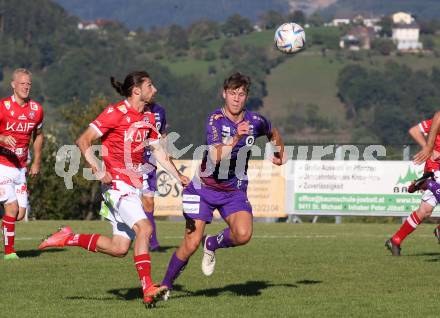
422, 155
243, 128
8, 140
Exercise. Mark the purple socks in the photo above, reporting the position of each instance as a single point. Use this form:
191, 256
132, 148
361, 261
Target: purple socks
221, 240
153, 241
175, 267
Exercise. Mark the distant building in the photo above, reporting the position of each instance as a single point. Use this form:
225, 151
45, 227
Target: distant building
402, 18
339, 22
406, 37
95, 25
357, 38
406, 32
87, 26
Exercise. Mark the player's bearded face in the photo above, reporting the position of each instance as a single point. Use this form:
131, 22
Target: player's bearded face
235, 100
22, 85
148, 91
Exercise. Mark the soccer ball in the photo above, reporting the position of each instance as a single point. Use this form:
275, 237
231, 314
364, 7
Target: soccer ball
290, 38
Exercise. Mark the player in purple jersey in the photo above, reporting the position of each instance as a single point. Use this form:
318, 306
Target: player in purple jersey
149, 178
222, 182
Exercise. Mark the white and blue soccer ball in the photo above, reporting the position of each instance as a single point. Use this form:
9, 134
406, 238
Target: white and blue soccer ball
290, 38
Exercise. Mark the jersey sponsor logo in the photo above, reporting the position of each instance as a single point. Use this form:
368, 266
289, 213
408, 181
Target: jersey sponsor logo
226, 134
191, 198
136, 136
226, 131
191, 208
22, 117
20, 127
7, 104
122, 108
34, 106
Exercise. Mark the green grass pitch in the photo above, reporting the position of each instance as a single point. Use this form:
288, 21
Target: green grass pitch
287, 270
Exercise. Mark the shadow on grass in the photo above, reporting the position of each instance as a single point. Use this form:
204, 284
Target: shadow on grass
434, 256
164, 248
250, 289
36, 253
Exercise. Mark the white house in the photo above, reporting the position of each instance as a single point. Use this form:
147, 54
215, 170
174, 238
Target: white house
406, 37
406, 32
340, 21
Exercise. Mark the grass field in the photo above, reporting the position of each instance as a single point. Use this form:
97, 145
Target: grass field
287, 270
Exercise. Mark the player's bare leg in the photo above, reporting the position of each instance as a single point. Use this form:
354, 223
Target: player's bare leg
148, 205
238, 232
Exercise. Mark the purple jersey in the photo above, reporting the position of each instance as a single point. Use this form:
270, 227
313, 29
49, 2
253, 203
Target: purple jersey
232, 175
161, 122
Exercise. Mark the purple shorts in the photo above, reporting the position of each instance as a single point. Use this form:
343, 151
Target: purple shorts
149, 182
199, 204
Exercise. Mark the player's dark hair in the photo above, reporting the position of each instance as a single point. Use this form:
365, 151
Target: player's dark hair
237, 80
134, 79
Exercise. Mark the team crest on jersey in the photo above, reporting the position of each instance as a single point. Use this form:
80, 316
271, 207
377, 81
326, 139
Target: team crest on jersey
123, 108
7, 104
226, 131
31, 114
34, 106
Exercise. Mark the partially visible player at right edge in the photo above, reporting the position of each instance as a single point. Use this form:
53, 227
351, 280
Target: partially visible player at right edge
427, 182
221, 186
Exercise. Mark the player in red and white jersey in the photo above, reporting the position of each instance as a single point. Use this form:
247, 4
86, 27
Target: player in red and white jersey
125, 129
429, 202
20, 119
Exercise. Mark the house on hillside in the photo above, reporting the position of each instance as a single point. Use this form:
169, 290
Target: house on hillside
98, 24
339, 21
406, 32
358, 38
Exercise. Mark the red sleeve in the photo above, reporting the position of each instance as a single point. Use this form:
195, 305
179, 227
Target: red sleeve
107, 120
40, 120
425, 126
